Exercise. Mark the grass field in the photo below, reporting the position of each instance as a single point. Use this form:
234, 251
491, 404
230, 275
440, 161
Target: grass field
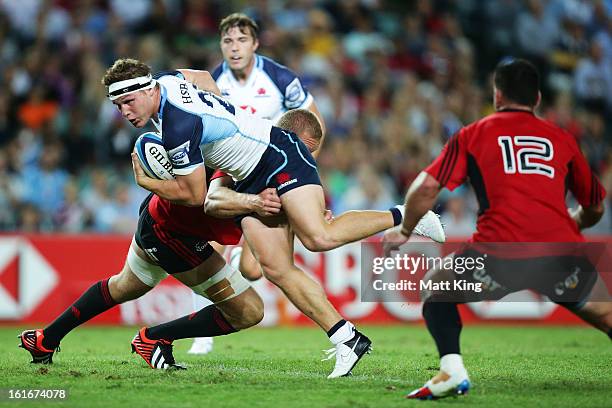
509, 366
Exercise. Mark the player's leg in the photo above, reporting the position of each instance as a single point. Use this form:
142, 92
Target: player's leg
273, 248
247, 264
597, 310
203, 345
136, 278
305, 208
443, 322
235, 306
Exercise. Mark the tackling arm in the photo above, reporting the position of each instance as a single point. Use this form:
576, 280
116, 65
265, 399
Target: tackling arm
223, 202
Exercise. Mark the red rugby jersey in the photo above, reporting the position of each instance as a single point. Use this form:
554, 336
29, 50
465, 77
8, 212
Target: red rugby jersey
520, 167
192, 221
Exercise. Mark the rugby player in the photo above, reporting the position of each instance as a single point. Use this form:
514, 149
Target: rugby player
519, 166
262, 87
199, 127
173, 239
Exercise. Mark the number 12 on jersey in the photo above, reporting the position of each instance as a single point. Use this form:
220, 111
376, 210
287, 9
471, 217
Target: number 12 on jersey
518, 153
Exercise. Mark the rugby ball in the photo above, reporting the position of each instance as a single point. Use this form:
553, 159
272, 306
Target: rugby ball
153, 156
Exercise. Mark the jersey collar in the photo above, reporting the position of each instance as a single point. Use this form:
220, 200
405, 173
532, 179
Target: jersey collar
258, 65
516, 110
160, 112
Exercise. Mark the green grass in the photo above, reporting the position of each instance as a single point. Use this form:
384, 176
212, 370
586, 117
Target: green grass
509, 366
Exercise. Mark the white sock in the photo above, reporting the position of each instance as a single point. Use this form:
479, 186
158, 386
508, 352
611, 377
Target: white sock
452, 364
343, 334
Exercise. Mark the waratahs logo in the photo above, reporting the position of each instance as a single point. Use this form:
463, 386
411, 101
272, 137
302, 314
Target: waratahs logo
284, 179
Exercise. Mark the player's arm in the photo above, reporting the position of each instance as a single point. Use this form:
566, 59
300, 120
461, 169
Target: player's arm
589, 216
201, 79
314, 109
448, 170
223, 202
420, 198
188, 190
586, 188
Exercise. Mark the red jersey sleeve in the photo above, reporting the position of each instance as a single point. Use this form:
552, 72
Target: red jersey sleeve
582, 182
450, 167
218, 174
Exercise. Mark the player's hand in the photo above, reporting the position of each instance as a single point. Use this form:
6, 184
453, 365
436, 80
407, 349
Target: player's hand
393, 239
267, 203
139, 175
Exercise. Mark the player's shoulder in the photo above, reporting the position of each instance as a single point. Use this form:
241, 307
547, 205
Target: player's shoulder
218, 70
170, 75
180, 94
278, 73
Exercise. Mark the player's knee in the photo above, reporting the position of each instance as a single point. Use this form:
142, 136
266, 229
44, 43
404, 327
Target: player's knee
605, 315
124, 287
274, 269
251, 272
252, 311
317, 242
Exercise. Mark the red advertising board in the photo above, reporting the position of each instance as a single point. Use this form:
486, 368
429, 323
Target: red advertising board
40, 275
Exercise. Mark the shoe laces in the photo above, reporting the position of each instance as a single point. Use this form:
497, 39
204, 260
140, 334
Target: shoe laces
330, 353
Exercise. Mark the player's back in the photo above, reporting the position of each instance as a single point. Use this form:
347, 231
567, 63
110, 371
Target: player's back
520, 167
190, 119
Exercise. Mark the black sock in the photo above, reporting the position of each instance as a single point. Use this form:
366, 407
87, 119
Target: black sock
95, 300
335, 328
444, 325
208, 322
397, 215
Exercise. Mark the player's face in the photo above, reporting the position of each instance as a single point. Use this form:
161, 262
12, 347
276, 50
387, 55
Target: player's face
238, 48
136, 107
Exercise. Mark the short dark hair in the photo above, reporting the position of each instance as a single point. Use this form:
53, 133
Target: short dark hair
300, 122
518, 80
125, 68
240, 20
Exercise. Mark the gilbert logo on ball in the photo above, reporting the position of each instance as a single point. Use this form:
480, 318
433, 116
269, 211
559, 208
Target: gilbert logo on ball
153, 156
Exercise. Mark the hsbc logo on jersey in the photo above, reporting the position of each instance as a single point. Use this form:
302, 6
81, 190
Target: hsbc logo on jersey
180, 154
284, 180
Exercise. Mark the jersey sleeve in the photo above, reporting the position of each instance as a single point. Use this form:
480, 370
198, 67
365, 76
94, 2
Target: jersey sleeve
450, 167
182, 133
295, 95
582, 182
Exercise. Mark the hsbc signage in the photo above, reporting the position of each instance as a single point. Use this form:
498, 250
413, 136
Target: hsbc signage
41, 275
26, 278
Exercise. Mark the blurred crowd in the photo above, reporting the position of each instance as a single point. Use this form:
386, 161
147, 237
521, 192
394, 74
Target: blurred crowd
393, 80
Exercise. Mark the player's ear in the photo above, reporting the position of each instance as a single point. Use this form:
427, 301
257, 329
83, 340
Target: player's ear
538, 100
255, 44
497, 98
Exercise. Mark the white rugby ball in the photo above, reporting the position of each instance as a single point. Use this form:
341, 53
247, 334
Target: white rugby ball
153, 156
